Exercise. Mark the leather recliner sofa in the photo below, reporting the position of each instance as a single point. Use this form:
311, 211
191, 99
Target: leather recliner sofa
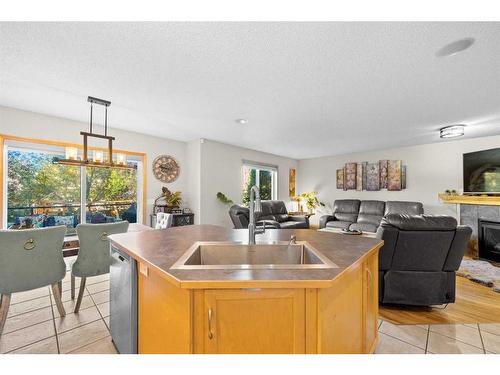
366, 215
274, 215
419, 258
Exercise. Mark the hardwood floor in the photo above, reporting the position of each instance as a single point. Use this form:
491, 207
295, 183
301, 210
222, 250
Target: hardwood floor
475, 303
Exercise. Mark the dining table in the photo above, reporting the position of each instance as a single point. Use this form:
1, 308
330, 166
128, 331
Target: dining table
71, 243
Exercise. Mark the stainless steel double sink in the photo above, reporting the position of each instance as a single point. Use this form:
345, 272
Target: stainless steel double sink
238, 255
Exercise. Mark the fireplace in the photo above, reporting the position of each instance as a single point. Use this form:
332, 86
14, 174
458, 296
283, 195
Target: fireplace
489, 239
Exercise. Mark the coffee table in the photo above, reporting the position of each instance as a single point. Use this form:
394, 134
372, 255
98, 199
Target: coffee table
338, 230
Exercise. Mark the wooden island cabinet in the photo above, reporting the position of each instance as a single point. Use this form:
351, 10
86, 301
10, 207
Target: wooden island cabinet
254, 311
341, 318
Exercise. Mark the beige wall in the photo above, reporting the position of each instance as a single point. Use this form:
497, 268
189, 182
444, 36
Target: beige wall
431, 168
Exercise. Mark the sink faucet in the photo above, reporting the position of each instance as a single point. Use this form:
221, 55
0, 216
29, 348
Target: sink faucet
254, 206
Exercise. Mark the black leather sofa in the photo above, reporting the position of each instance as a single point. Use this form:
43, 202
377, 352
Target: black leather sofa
274, 215
418, 260
366, 215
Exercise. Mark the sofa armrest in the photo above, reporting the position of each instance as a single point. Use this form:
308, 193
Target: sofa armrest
325, 219
270, 224
457, 248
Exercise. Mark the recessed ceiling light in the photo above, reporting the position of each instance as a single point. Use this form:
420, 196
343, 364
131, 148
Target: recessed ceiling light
241, 121
455, 47
452, 131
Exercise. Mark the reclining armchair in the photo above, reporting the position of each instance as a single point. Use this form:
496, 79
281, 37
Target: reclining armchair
419, 258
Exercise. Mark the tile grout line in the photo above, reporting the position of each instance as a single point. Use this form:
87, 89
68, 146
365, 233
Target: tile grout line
427, 340
54, 324
31, 343
463, 342
28, 300
481, 337
415, 346
41, 308
99, 311
83, 325
90, 343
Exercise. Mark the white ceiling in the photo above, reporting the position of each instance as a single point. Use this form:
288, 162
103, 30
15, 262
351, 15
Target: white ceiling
307, 89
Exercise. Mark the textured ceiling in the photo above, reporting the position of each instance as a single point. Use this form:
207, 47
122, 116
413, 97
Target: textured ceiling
307, 89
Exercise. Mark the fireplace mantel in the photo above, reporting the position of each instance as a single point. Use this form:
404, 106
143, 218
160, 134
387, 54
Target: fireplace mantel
470, 199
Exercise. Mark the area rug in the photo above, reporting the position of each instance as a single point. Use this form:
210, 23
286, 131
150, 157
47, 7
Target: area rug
482, 272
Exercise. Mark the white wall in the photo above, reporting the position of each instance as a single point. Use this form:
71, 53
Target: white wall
221, 171
33, 125
431, 168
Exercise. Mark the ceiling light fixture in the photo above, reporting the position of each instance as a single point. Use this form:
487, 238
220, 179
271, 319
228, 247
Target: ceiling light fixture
452, 131
241, 121
99, 155
455, 47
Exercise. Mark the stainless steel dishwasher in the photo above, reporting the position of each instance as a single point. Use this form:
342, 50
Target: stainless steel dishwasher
123, 302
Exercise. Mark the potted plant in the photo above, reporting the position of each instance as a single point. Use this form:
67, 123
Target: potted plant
310, 200
223, 198
173, 200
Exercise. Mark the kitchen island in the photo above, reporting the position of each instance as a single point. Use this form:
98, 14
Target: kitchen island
325, 303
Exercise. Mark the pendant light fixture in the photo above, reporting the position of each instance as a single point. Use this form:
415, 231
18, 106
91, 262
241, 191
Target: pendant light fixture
98, 155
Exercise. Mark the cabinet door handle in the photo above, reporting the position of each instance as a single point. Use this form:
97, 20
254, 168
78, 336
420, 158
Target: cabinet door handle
210, 333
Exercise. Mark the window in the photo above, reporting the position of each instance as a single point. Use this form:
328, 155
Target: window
263, 176
41, 193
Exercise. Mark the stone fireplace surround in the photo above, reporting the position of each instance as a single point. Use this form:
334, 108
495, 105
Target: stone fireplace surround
470, 214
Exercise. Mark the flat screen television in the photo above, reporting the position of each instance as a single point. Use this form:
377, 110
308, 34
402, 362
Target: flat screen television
482, 172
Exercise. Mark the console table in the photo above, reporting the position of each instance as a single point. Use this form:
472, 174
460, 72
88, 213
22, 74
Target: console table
178, 220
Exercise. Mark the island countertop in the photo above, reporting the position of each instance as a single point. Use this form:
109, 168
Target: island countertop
160, 249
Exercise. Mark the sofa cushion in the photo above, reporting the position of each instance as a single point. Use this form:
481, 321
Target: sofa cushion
371, 212
278, 207
403, 207
346, 209
267, 211
294, 225
363, 227
338, 224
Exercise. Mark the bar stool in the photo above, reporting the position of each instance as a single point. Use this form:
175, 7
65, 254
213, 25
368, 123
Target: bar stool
93, 256
31, 259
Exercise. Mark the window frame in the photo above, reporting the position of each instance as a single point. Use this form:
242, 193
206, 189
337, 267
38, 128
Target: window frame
263, 167
7, 141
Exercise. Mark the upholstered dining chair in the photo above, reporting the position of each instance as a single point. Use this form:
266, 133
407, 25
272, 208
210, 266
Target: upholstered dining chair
93, 256
31, 259
163, 220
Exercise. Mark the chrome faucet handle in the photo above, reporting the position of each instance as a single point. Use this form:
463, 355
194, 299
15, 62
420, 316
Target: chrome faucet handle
293, 239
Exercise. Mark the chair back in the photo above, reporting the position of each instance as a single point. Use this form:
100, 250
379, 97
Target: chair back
93, 256
31, 259
425, 243
239, 216
163, 220
346, 209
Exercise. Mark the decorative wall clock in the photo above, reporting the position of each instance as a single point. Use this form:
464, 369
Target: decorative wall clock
166, 168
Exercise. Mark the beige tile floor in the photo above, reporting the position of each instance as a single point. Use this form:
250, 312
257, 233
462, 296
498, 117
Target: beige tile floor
438, 339
34, 326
